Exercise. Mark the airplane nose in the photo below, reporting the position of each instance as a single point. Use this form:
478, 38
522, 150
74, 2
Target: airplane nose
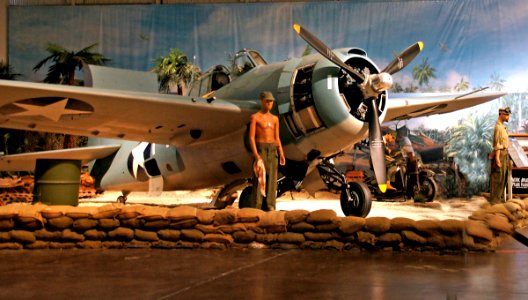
382, 82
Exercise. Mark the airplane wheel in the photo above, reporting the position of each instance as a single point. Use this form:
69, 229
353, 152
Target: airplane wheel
245, 197
121, 199
356, 199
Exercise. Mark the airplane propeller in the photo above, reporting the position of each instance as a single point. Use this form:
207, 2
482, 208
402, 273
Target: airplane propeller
402, 60
371, 86
320, 47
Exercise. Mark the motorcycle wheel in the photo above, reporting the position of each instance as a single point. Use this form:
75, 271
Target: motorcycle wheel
429, 189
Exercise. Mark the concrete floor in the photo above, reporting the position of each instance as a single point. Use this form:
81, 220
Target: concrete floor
262, 274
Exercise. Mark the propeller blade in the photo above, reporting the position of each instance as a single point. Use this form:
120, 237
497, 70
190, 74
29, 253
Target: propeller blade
377, 151
320, 47
404, 58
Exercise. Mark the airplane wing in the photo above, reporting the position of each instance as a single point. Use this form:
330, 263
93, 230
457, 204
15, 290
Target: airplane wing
407, 106
130, 115
27, 161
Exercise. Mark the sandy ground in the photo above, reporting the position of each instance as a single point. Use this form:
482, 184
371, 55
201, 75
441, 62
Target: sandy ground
440, 209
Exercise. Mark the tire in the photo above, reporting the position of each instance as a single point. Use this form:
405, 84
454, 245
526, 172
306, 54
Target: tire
245, 197
356, 199
429, 189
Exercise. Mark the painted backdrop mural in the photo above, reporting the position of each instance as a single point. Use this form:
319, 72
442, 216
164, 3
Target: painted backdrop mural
468, 43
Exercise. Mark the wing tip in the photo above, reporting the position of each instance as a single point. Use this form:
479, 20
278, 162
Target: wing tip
382, 187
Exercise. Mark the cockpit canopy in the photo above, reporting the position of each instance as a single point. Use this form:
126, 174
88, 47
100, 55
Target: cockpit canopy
246, 60
219, 75
212, 80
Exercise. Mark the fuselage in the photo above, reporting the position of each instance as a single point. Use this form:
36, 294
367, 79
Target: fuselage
320, 112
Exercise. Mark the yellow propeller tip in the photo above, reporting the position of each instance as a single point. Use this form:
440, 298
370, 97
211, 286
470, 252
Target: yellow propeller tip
297, 28
420, 44
382, 187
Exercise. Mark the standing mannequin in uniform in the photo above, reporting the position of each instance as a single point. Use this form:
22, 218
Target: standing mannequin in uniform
500, 161
266, 148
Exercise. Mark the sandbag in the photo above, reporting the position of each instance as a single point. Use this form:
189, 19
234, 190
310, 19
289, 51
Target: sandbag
182, 213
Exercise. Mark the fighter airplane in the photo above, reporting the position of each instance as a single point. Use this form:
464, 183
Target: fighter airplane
143, 140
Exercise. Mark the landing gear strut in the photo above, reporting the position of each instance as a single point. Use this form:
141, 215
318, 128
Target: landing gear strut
284, 184
123, 198
356, 199
228, 194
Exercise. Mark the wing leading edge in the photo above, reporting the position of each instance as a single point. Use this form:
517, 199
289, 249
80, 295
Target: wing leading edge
149, 117
404, 107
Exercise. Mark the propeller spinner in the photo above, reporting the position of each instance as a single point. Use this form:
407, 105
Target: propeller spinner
371, 86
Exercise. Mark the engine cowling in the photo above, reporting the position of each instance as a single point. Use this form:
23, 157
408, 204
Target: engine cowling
327, 106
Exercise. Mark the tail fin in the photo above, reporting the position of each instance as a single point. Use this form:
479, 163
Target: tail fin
120, 79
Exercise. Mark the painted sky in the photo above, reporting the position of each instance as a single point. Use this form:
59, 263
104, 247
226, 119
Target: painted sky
470, 39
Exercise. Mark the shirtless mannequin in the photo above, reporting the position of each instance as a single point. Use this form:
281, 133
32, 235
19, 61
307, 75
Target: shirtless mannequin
265, 145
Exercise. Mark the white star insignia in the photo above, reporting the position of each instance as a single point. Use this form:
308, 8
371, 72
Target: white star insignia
52, 111
139, 160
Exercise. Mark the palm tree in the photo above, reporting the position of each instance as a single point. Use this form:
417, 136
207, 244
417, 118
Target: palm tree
462, 85
469, 144
175, 70
65, 62
62, 71
396, 88
496, 82
423, 72
6, 71
410, 89
10, 143
444, 88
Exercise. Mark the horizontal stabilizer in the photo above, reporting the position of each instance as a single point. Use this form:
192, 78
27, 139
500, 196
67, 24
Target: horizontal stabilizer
27, 161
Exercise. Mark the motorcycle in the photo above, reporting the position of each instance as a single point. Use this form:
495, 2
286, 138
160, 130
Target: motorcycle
407, 180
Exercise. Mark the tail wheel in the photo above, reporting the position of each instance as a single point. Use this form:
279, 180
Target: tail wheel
121, 199
429, 189
245, 197
356, 199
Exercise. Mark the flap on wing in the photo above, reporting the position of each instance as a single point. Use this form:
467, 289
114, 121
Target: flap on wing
420, 105
27, 161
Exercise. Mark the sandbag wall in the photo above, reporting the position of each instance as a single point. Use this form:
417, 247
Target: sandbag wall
24, 226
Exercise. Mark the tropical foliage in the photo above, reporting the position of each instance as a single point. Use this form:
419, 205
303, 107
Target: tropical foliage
411, 89
424, 72
469, 144
439, 136
462, 85
65, 62
62, 69
396, 88
12, 140
496, 82
7, 72
175, 69
307, 51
